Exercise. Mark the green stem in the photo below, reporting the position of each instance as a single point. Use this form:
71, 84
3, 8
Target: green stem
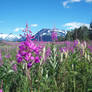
63, 87
30, 80
84, 87
74, 85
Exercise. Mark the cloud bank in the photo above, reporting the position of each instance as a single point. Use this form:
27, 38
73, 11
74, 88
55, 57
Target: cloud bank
21, 28
66, 2
34, 25
73, 25
88, 1
18, 29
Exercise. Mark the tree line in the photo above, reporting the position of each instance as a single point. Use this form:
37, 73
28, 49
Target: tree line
82, 33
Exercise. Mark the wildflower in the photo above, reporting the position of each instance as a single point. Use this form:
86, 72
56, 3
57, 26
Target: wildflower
71, 49
68, 43
23, 53
48, 52
14, 67
28, 51
19, 58
29, 65
1, 62
27, 56
76, 43
90, 48
37, 59
32, 58
7, 56
0, 57
1, 90
61, 49
54, 35
65, 49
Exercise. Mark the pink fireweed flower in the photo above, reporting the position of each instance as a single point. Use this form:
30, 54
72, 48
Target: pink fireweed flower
65, 49
29, 51
19, 58
90, 48
14, 67
54, 36
23, 53
29, 65
71, 49
75, 43
28, 56
7, 56
47, 53
37, 60
68, 43
1, 90
61, 49
32, 58
1, 62
0, 56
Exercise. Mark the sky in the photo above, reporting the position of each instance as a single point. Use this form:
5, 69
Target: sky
64, 14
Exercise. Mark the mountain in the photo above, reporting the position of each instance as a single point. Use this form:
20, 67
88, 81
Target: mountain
9, 37
45, 34
42, 35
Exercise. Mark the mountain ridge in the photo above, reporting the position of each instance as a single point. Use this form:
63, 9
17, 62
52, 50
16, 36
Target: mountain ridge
44, 35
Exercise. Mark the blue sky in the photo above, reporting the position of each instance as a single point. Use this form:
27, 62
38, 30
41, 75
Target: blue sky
64, 14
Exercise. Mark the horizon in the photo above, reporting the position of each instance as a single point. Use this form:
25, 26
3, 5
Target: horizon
39, 14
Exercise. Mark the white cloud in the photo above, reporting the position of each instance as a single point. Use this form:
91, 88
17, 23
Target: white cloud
18, 29
75, 0
21, 28
34, 25
88, 1
65, 3
73, 25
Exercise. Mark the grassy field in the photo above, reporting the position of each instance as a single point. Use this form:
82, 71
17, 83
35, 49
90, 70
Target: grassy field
63, 67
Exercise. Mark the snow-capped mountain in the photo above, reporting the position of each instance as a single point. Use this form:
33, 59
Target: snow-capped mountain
9, 37
45, 34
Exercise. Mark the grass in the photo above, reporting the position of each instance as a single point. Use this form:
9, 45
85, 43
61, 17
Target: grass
60, 72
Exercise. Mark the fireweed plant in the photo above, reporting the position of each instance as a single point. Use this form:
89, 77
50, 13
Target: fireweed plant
54, 35
29, 53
